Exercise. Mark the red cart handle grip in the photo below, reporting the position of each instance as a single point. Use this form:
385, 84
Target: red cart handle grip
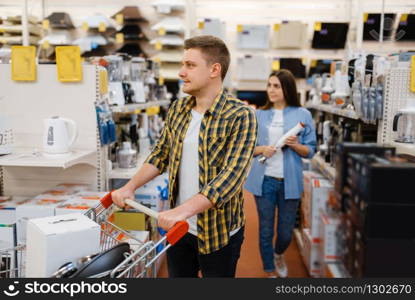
177, 232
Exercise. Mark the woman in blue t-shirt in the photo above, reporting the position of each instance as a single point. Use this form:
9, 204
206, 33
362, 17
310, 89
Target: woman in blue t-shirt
278, 183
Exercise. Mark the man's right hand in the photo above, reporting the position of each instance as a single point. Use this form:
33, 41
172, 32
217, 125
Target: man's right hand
118, 196
268, 151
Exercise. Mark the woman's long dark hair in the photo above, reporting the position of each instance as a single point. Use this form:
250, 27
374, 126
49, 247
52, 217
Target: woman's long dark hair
289, 88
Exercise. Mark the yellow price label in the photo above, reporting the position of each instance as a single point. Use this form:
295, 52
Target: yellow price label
3, 41
162, 31
404, 17
45, 24
201, 25
157, 60
119, 18
2, 30
412, 74
85, 26
161, 80
119, 38
304, 61
317, 26
276, 65
365, 17
152, 111
68, 63
103, 82
158, 45
313, 63
240, 28
23, 63
45, 44
102, 27
277, 27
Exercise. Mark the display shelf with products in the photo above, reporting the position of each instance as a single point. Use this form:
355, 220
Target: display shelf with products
348, 113
403, 148
129, 108
25, 157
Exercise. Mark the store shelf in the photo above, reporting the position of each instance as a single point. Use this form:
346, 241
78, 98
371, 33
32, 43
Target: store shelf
328, 171
24, 157
404, 148
347, 113
133, 107
122, 173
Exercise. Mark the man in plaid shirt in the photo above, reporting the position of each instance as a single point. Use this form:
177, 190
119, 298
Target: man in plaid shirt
206, 146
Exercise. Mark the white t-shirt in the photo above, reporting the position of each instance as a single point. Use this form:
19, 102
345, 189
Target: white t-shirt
274, 165
189, 168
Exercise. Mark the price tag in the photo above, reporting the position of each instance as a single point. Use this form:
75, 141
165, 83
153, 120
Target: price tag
102, 27
158, 45
119, 38
162, 31
103, 82
68, 62
277, 27
365, 17
239, 28
45, 44
119, 18
152, 111
201, 25
85, 26
413, 73
304, 61
404, 18
317, 26
23, 63
161, 80
276, 65
45, 24
157, 60
313, 63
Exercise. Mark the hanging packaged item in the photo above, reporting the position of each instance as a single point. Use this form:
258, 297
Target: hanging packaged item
330, 35
371, 27
212, 26
253, 67
295, 65
289, 35
253, 36
406, 28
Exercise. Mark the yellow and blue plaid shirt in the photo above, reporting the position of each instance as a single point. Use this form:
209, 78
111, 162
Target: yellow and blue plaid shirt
227, 140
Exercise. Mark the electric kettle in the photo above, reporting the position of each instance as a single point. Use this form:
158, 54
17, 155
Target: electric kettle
404, 125
56, 136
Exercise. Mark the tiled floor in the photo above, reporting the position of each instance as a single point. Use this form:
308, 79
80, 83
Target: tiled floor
250, 264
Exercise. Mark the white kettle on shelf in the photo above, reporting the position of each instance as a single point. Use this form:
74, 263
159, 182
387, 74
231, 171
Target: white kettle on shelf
59, 135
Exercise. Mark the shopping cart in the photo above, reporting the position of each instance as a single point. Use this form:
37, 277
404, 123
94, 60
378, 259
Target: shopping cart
139, 262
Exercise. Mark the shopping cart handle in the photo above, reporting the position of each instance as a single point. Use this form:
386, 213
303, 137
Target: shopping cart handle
177, 232
106, 201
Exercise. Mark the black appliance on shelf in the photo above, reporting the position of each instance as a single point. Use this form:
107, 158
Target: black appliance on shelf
295, 65
330, 36
253, 97
406, 29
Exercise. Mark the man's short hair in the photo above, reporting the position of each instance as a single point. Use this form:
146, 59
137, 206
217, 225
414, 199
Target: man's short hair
213, 48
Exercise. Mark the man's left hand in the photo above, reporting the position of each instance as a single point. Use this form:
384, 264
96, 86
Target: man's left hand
168, 218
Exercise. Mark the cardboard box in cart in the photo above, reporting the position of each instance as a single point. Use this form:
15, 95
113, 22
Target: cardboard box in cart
54, 241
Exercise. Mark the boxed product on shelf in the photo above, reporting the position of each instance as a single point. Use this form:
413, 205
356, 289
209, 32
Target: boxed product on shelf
38, 207
319, 195
309, 176
311, 253
67, 189
330, 227
8, 217
54, 241
75, 205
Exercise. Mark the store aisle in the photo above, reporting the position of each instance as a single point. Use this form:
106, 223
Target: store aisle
249, 264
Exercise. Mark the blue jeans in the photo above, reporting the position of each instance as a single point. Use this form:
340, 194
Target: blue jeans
272, 198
